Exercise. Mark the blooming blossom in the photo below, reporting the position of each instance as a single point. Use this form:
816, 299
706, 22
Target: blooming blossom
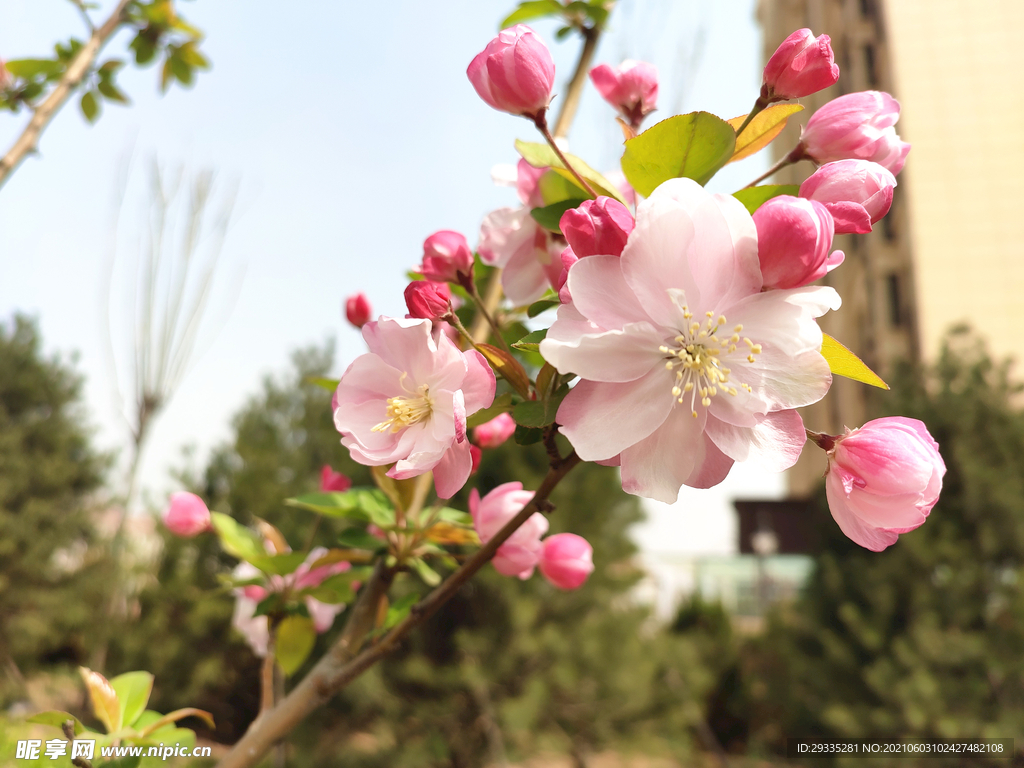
686, 365
406, 402
883, 479
333, 481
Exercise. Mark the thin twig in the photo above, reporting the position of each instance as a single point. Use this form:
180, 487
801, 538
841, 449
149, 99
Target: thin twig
567, 112
342, 664
491, 300
76, 70
68, 727
794, 156
759, 106
542, 125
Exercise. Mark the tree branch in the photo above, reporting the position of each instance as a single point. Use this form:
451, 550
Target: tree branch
572, 97
344, 663
73, 75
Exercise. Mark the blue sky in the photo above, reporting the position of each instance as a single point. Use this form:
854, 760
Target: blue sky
352, 134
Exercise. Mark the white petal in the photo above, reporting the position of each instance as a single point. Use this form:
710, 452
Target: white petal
601, 294
773, 444
658, 466
609, 356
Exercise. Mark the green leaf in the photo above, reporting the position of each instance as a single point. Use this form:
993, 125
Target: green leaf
501, 404
554, 188
754, 197
538, 413
543, 156
532, 9
324, 383
236, 539
456, 516
30, 68
347, 504
762, 130
109, 67
692, 146
528, 435
842, 362
180, 68
550, 215
542, 305
133, 690
360, 538
531, 341
90, 106
400, 610
111, 92
56, 718
279, 565
334, 593
294, 641
430, 577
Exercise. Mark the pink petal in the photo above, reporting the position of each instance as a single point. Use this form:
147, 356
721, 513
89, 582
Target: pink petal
600, 292
459, 413
401, 348
615, 356
478, 386
875, 539
774, 444
659, 465
452, 471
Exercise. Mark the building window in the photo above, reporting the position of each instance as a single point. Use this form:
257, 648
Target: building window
889, 223
867, 9
893, 294
871, 65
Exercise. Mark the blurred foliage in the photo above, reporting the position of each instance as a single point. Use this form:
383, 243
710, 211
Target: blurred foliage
53, 579
925, 638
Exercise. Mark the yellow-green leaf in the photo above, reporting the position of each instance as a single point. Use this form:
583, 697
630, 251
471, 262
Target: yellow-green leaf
762, 129
508, 367
104, 699
295, 639
133, 690
842, 362
543, 156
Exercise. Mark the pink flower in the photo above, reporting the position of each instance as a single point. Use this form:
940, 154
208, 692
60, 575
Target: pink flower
566, 560
406, 402
447, 258
427, 300
686, 365
632, 88
856, 192
514, 73
187, 515
510, 238
793, 241
568, 258
475, 454
802, 65
493, 433
357, 310
518, 555
333, 481
883, 479
597, 227
858, 126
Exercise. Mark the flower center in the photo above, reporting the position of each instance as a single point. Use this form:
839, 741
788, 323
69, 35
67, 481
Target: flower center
405, 411
696, 358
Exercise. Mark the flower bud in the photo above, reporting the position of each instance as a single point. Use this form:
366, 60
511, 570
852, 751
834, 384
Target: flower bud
493, 433
597, 227
856, 192
357, 310
428, 300
475, 454
568, 259
514, 73
566, 560
883, 479
802, 65
517, 556
187, 515
447, 258
632, 88
858, 126
793, 241
333, 481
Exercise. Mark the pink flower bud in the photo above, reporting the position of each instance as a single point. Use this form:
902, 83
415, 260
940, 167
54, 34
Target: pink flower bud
187, 515
856, 192
475, 454
566, 560
597, 227
632, 88
428, 300
569, 258
858, 126
518, 555
515, 72
802, 65
333, 481
493, 433
447, 258
793, 241
883, 479
357, 310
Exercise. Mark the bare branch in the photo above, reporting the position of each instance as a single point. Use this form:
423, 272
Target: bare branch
77, 69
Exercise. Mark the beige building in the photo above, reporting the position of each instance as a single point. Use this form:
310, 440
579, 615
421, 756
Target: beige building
952, 247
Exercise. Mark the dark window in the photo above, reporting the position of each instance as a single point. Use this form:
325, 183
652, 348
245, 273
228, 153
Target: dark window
895, 300
867, 9
871, 65
889, 223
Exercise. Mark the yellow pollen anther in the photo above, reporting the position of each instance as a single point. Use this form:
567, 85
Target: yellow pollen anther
405, 411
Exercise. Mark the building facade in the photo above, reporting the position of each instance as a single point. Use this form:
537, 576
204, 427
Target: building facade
951, 250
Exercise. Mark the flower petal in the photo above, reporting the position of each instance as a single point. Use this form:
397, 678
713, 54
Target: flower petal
658, 466
601, 294
774, 444
452, 471
619, 356
404, 344
478, 386
875, 539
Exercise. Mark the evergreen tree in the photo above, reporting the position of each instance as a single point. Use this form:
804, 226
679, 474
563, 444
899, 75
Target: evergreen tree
925, 638
53, 577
